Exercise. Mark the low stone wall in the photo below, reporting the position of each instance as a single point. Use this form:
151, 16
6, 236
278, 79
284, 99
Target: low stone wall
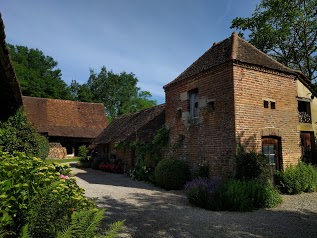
57, 151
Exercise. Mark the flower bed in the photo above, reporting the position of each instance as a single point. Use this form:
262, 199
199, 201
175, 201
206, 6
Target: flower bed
111, 167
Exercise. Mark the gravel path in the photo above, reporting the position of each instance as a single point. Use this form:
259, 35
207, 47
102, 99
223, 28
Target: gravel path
153, 212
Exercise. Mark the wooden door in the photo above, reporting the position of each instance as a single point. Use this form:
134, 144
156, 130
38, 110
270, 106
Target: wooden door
307, 146
270, 149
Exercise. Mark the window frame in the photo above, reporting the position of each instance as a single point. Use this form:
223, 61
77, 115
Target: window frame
193, 104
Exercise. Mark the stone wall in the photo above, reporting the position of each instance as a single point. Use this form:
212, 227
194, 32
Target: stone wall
57, 151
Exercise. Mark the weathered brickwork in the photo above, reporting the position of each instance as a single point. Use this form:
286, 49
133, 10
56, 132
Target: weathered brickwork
126, 156
252, 120
237, 113
210, 137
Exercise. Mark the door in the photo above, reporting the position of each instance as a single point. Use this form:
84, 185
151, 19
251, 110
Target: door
270, 149
307, 145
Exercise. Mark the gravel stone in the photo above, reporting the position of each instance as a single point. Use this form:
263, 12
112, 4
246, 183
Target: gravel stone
152, 212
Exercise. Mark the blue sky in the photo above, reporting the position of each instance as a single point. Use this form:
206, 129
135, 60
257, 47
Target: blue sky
156, 40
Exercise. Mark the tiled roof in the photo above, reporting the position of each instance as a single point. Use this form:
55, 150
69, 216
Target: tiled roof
10, 94
65, 118
137, 126
235, 49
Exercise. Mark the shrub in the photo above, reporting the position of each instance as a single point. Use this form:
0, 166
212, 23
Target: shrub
297, 179
32, 191
202, 170
16, 134
83, 224
141, 172
171, 174
251, 165
84, 160
200, 191
238, 195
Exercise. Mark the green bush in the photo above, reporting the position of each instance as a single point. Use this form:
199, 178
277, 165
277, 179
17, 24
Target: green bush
251, 165
234, 195
171, 174
34, 192
141, 172
202, 170
16, 134
237, 195
297, 179
84, 160
83, 224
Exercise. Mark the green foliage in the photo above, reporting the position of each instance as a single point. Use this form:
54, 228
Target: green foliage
37, 73
16, 134
37, 193
83, 224
251, 165
171, 174
149, 155
238, 195
84, 160
141, 172
202, 170
297, 179
288, 35
234, 195
118, 92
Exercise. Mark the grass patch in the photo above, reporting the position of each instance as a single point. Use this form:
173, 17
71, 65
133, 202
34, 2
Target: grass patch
67, 160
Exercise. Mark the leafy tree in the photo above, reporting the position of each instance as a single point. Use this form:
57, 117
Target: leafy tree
37, 73
118, 92
16, 134
285, 29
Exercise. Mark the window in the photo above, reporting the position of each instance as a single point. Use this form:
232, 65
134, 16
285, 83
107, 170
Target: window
269, 104
268, 152
266, 104
304, 113
193, 104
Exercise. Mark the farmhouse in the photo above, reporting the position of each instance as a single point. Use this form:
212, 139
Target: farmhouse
139, 126
67, 124
10, 94
236, 93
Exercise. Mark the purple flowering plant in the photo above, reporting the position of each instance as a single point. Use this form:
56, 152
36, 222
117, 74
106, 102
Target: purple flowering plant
200, 191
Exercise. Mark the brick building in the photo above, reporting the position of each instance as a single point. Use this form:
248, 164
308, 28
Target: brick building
10, 93
234, 92
67, 124
139, 126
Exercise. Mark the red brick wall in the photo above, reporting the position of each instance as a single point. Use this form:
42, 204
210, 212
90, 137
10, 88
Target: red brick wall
252, 120
125, 155
211, 137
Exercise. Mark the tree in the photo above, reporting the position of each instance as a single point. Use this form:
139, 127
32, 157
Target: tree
287, 30
37, 73
118, 92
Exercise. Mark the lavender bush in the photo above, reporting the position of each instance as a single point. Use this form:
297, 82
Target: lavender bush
201, 192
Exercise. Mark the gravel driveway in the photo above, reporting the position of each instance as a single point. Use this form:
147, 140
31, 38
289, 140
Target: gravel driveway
152, 212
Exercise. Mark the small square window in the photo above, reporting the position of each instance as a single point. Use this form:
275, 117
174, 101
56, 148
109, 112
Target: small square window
266, 104
272, 105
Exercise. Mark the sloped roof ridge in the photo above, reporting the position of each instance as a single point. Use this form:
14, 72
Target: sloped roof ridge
138, 112
193, 65
235, 48
112, 133
65, 100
